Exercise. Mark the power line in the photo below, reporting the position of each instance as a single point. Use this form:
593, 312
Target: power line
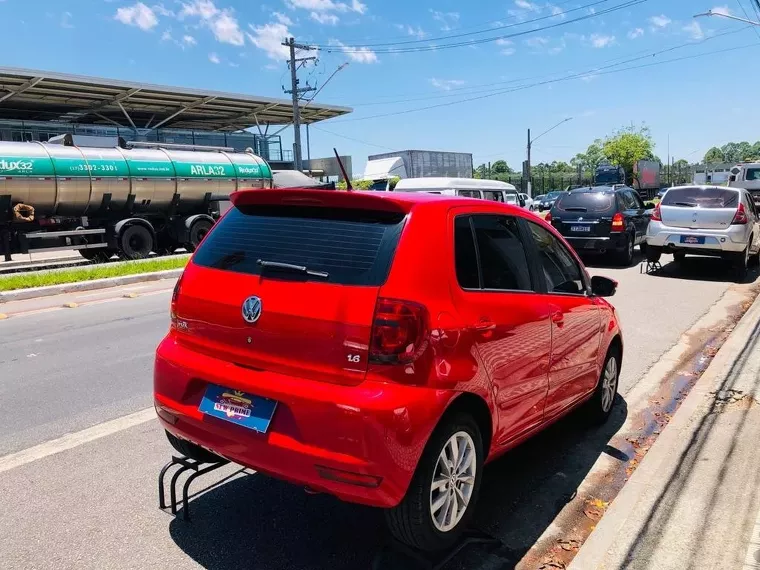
588, 73
621, 60
461, 35
436, 47
746, 15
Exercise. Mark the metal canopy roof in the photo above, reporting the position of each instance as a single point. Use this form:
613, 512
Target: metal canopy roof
31, 95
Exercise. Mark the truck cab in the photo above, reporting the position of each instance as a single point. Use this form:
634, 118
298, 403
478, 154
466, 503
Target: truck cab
747, 176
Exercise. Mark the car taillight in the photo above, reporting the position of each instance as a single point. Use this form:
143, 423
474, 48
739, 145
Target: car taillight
617, 223
548, 218
175, 296
656, 214
399, 332
741, 216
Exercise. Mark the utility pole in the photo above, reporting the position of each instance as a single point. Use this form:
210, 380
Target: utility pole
527, 170
296, 92
526, 165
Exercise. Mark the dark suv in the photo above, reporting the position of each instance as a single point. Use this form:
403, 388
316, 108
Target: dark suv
602, 219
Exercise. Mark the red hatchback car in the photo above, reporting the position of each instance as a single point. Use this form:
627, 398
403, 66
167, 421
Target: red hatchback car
382, 347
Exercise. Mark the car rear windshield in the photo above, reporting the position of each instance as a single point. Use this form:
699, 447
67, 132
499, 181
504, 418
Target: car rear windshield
586, 202
353, 247
696, 197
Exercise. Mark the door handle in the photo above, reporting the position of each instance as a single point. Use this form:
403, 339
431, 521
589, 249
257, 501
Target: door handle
558, 318
485, 324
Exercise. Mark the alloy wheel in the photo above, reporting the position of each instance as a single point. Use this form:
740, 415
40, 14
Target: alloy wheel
609, 384
453, 481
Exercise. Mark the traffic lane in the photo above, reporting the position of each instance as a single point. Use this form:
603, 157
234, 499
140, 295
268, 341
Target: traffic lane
106, 493
656, 309
66, 370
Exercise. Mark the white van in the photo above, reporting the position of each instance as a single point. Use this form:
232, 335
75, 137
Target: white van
469, 187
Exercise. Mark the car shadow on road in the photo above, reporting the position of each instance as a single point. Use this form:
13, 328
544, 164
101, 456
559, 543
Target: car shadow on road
606, 261
261, 523
703, 269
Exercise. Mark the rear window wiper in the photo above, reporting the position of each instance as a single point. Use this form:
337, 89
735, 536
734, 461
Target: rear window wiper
685, 204
575, 209
292, 267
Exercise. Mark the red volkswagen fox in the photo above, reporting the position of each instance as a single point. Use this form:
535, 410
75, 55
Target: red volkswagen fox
382, 347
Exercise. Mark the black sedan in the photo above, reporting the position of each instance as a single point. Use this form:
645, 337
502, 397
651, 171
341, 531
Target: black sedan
602, 219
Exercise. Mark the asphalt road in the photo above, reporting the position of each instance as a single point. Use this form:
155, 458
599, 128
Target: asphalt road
94, 506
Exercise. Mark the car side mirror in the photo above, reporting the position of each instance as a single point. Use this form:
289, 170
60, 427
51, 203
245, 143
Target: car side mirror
603, 286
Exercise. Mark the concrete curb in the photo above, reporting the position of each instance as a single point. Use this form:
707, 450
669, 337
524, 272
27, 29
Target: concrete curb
593, 553
35, 292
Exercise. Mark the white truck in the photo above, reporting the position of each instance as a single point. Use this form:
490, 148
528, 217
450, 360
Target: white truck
747, 175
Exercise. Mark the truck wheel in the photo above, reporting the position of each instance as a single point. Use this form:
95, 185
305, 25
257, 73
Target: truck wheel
192, 451
136, 242
198, 231
441, 498
96, 255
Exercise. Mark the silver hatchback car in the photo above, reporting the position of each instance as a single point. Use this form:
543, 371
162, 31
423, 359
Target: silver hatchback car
715, 221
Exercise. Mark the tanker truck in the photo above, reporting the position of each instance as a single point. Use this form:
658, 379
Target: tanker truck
127, 200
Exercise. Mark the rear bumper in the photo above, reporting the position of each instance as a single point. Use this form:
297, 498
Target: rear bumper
716, 242
377, 430
613, 242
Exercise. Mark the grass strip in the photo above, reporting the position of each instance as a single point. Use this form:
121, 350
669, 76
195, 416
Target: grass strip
75, 275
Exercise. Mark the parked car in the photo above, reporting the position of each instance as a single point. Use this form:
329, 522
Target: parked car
527, 202
716, 221
548, 200
602, 219
468, 187
315, 339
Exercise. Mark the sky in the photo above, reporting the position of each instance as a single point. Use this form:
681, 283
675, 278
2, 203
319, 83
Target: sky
515, 65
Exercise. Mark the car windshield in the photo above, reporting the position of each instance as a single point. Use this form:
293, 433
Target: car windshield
378, 185
552, 195
586, 202
698, 197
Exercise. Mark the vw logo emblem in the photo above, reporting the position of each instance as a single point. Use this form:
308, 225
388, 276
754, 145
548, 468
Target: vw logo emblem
251, 309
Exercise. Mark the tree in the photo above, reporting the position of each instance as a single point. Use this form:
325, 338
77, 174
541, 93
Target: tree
714, 155
627, 146
500, 167
480, 172
590, 159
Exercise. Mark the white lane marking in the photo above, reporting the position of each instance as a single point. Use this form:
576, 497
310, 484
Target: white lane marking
72, 440
752, 560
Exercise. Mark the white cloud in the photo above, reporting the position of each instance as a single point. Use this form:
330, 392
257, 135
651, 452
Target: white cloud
138, 15
327, 6
537, 42
186, 41
694, 30
504, 42
269, 38
282, 18
557, 12
661, 21
508, 51
162, 10
167, 36
66, 20
721, 10
222, 23
600, 41
358, 7
213, 58
189, 40
635, 33
525, 5
447, 20
233, 64
588, 77
446, 84
417, 32
357, 54
323, 18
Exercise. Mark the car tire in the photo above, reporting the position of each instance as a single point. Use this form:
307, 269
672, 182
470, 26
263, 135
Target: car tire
421, 520
741, 264
653, 253
625, 257
599, 407
192, 451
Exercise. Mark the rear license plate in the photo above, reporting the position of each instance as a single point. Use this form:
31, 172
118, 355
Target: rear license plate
580, 228
693, 239
247, 410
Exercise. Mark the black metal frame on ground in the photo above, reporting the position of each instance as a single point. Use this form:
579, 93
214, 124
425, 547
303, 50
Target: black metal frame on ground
186, 465
650, 267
